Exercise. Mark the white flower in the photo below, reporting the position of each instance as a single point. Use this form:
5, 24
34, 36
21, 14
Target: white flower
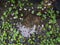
11, 4
25, 9
20, 9
49, 4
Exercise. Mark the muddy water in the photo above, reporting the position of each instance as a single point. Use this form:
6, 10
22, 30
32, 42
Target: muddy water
30, 24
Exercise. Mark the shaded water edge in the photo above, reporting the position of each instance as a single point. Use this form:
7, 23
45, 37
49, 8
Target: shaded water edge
27, 31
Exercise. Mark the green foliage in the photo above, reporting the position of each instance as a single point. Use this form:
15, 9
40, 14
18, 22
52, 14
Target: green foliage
12, 36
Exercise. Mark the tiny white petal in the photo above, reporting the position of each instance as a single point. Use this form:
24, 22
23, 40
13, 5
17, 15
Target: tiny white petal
25, 9
42, 25
49, 3
20, 9
21, 18
29, 9
44, 7
5, 5
14, 17
32, 8
11, 4
12, 14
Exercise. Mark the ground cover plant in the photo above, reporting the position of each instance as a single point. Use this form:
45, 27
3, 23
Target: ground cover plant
14, 11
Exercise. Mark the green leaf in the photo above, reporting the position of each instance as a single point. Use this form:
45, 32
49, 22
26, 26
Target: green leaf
2, 17
32, 12
21, 14
58, 39
39, 7
13, 1
39, 14
16, 12
50, 26
4, 13
10, 8
48, 34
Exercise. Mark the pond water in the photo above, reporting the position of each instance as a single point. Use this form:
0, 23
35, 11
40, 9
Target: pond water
26, 31
29, 25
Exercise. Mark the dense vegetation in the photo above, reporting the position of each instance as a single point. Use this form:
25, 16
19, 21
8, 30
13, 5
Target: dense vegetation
13, 10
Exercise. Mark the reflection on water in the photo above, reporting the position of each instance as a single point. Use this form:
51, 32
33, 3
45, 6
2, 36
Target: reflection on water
29, 25
26, 31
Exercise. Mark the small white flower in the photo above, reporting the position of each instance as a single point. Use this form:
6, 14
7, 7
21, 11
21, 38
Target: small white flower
46, 1
32, 8
12, 14
25, 9
21, 18
49, 4
11, 4
20, 9
29, 9
15, 17
5, 5
45, 12
10, 18
42, 25
44, 7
